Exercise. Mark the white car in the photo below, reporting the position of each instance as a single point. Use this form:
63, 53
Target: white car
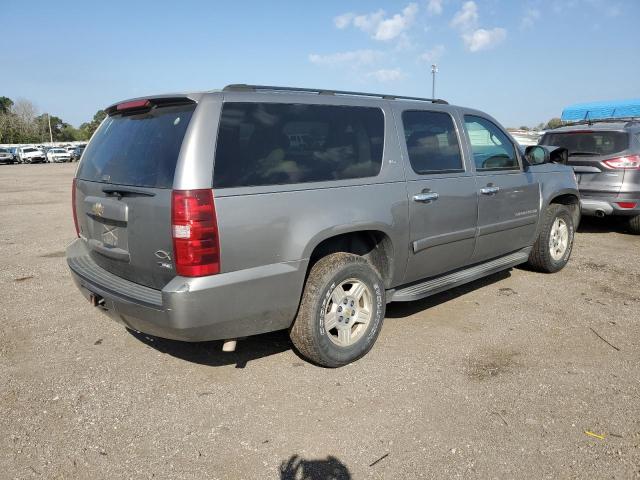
57, 155
31, 155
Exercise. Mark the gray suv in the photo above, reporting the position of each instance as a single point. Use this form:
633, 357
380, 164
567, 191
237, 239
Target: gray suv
224, 214
606, 158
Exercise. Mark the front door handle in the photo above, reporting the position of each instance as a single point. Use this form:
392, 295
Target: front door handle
425, 197
489, 190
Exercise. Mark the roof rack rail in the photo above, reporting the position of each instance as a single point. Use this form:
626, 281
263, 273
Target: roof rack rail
628, 121
241, 87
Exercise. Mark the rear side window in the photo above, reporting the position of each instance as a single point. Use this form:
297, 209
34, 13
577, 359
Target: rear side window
137, 149
588, 142
432, 142
491, 147
275, 143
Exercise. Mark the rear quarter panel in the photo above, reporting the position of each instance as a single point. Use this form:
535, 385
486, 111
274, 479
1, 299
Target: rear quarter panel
284, 223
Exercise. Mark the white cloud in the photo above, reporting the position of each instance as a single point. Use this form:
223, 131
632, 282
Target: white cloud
369, 21
390, 28
378, 25
434, 7
434, 54
343, 21
354, 58
482, 39
467, 17
387, 75
530, 17
466, 21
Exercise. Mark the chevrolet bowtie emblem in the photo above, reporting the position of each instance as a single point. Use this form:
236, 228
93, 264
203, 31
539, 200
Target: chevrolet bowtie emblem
97, 209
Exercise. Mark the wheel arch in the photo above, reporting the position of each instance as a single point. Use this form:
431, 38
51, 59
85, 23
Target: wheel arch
570, 199
375, 245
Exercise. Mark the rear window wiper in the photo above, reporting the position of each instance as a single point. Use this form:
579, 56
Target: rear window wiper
121, 191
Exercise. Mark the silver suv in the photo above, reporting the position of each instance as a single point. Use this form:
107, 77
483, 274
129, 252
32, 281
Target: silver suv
198, 218
605, 154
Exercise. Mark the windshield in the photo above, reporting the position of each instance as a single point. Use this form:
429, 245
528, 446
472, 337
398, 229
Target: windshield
589, 143
139, 149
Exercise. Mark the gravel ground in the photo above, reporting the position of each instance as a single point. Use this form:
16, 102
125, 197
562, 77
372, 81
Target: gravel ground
499, 379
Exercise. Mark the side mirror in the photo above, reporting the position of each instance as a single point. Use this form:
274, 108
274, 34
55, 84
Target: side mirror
539, 154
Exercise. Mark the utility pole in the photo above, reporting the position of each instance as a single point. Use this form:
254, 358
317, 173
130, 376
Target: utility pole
434, 70
50, 134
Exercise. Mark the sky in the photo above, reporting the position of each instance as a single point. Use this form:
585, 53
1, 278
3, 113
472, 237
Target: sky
520, 61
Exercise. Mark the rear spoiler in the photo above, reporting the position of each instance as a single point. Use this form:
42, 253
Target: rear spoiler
140, 104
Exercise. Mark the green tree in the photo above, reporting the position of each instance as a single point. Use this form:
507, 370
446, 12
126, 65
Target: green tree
553, 123
5, 105
88, 128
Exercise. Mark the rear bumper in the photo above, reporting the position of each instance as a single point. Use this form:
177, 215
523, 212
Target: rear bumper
228, 305
603, 206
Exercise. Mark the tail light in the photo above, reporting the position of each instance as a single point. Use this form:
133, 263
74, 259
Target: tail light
196, 247
627, 204
626, 162
73, 206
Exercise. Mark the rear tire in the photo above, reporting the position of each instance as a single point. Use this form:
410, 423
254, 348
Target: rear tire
553, 246
633, 224
341, 311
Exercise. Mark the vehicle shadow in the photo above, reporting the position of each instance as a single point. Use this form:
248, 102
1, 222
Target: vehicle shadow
405, 309
259, 346
602, 225
297, 468
211, 354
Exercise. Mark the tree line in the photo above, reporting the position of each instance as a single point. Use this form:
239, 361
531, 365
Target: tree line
20, 122
553, 123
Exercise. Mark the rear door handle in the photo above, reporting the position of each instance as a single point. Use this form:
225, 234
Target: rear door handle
426, 197
489, 190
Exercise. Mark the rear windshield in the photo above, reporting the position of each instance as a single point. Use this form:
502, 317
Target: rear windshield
276, 143
139, 150
588, 143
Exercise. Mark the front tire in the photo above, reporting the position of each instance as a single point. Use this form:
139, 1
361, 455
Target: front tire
553, 246
341, 311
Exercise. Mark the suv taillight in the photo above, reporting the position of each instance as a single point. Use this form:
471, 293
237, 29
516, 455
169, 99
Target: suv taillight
626, 162
196, 248
73, 206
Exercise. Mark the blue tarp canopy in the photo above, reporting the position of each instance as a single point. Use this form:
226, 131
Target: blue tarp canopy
602, 110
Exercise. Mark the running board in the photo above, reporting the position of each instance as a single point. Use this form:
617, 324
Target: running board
445, 282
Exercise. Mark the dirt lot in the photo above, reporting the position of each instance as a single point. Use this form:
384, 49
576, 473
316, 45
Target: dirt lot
502, 378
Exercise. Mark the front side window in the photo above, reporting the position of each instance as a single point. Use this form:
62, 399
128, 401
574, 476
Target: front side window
492, 149
275, 144
432, 142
